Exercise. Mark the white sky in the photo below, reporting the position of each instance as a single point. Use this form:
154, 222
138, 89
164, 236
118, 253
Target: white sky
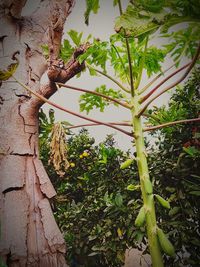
102, 26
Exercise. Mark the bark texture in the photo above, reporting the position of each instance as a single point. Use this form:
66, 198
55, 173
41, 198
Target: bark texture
29, 235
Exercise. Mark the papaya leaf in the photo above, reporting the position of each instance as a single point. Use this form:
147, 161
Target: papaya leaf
76, 37
137, 22
91, 6
6, 74
89, 101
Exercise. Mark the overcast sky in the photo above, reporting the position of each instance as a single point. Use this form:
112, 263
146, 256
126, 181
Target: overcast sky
102, 26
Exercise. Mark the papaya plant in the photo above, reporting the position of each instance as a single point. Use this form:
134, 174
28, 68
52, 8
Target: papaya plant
131, 54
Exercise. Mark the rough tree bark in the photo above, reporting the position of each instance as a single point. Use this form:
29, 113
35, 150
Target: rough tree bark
29, 234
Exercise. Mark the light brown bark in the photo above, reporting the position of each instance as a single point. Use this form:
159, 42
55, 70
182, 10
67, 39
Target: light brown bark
29, 235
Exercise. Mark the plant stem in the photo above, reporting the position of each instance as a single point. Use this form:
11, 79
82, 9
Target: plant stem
97, 124
167, 124
137, 83
109, 77
123, 104
163, 81
148, 199
128, 54
155, 79
118, 54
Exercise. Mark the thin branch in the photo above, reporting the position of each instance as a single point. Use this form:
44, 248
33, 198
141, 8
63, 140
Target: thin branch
175, 83
118, 54
128, 53
155, 79
142, 64
170, 124
163, 81
109, 77
97, 124
126, 105
69, 111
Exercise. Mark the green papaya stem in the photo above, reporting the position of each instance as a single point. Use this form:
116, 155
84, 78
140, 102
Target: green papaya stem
141, 67
128, 54
148, 199
118, 54
108, 76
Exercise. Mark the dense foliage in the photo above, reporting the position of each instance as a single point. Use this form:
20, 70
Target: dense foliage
93, 208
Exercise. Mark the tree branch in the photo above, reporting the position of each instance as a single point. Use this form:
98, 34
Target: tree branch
58, 16
109, 77
124, 104
155, 79
60, 72
170, 124
175, 83
128, 53
118, 54
163, 81
45, 100
97, 124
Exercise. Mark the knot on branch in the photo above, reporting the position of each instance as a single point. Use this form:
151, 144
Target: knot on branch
60, 72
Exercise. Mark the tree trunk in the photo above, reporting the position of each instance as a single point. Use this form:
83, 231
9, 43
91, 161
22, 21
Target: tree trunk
29, 234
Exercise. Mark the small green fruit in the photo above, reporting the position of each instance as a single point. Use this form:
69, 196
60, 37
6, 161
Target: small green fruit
163, 202
126, 164
165, 244
140, 219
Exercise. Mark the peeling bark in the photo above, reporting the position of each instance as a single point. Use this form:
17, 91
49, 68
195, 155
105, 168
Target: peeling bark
29, 236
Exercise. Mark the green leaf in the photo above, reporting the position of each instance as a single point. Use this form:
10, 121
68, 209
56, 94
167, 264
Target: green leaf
45, 50
66, 50
137, 22
192, 151
76, 37
89, 101
174, 211
194, 193
118, 200
115, 2
6, 74
91, 5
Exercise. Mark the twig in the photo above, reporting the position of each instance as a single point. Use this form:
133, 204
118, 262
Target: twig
163, 81
69, 111
170, 124
126, 105
175, 83
109, 77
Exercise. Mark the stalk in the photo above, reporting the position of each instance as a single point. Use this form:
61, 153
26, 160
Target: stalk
148, 199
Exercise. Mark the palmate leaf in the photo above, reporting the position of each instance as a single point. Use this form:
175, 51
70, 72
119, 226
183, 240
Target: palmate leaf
146, 16
137, 22
6, 74
89, 101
